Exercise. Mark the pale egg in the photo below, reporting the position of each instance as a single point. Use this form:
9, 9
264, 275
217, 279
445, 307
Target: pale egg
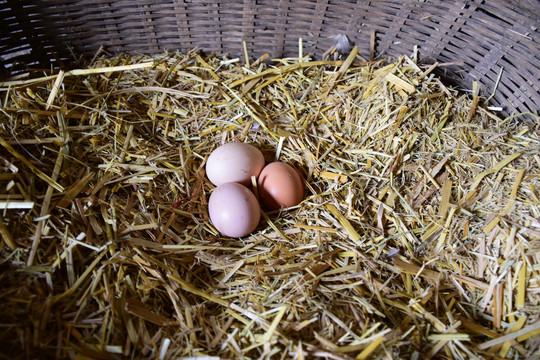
234, 210
234, 162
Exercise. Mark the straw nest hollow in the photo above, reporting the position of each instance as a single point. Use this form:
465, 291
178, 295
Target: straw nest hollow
417, 238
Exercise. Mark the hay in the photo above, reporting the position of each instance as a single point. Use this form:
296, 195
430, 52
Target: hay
418, 236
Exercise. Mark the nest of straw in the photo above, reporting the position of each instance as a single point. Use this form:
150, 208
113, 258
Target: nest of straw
418, 236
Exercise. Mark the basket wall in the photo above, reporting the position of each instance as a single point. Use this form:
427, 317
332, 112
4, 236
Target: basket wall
482, 39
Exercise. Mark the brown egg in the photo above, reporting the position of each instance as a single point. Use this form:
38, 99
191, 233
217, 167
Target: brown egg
280, 185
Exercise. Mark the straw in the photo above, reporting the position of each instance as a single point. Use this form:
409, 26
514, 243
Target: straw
417, 234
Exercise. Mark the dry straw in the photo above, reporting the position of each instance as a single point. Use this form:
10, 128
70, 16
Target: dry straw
418, 236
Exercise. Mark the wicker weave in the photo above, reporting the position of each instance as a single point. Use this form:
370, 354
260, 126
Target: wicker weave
480, 37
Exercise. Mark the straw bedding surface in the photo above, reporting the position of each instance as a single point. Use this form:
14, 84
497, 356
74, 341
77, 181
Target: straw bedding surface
418, 236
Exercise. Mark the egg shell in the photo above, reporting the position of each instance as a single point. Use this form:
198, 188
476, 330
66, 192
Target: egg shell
234, 210
234, 162
280, 185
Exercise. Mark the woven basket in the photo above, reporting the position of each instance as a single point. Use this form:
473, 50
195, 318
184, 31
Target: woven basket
496, 42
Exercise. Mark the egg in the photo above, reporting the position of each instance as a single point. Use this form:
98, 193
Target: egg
234, 162
234, 210
280, 185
